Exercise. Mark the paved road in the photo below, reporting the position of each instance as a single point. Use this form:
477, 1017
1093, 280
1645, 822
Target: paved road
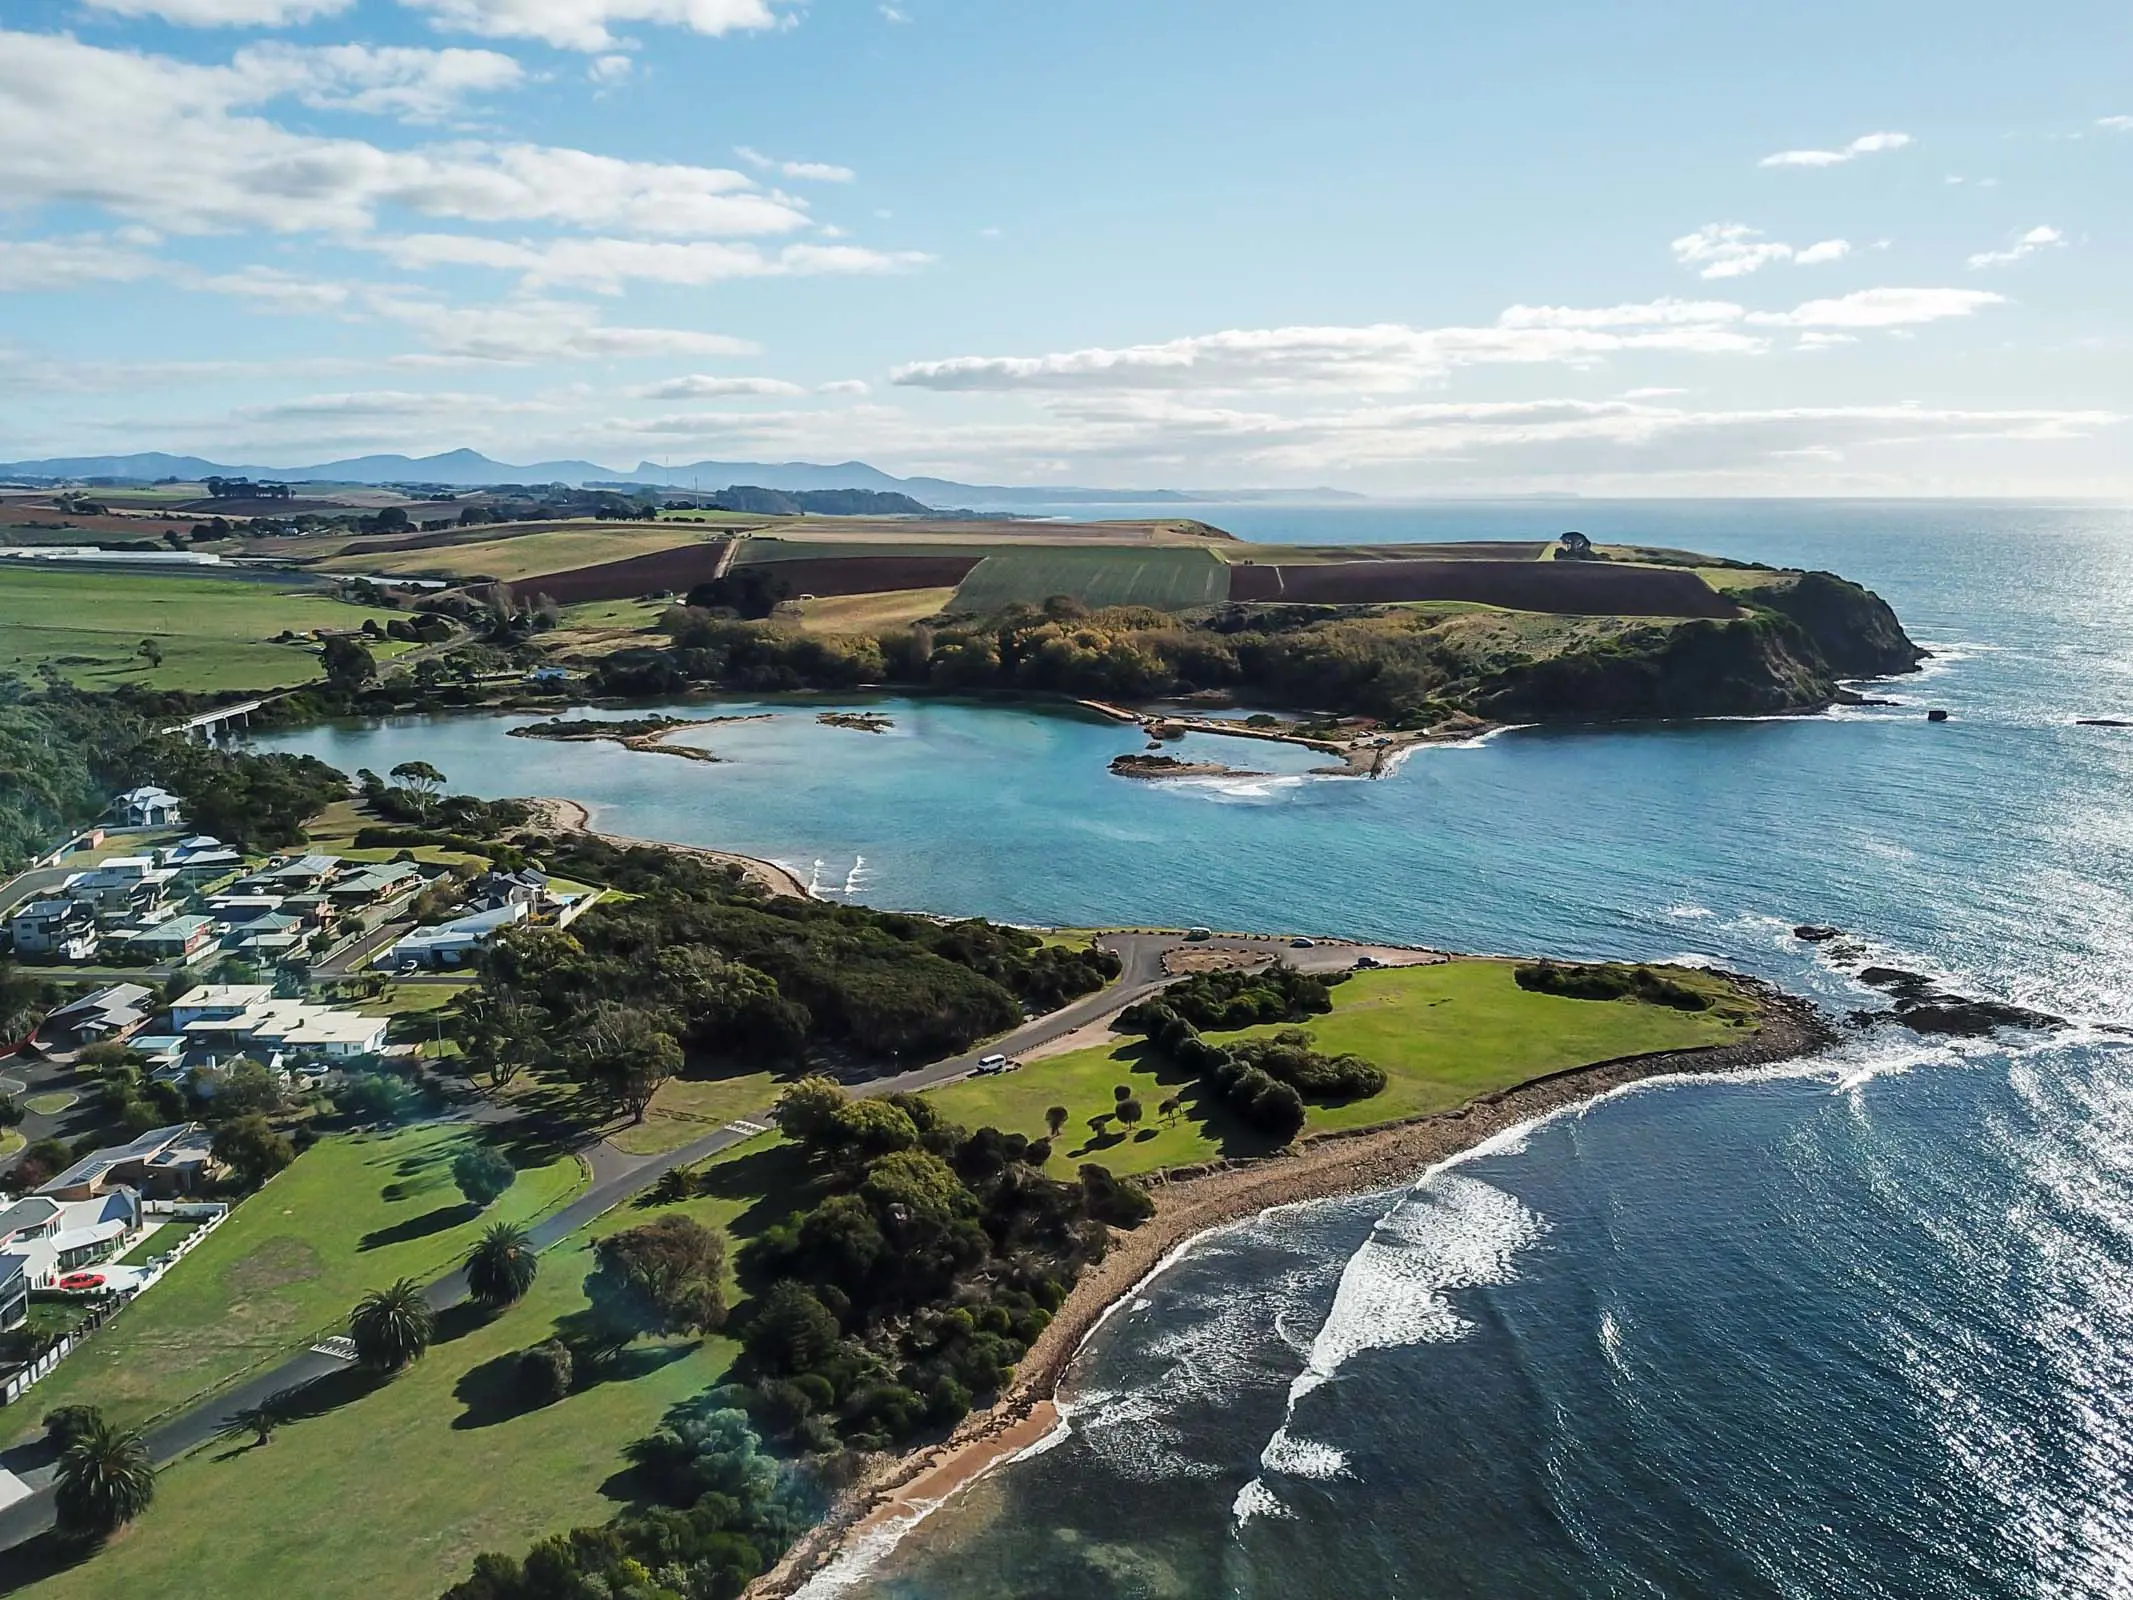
618, 1177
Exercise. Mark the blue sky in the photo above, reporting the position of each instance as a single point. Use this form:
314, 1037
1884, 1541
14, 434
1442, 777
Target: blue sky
1401, 248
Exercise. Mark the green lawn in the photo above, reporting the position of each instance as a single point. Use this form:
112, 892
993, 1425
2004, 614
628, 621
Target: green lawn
353, 1213
215, 633
391, 1492
1443, 1034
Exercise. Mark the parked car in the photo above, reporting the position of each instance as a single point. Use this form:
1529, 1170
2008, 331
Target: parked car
1197, 934
988, 1065
77, 1282
1367, 963
1303, 944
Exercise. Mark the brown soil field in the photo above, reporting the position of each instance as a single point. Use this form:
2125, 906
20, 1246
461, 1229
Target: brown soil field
834, 575
1562, 587
1334, 555
679, 570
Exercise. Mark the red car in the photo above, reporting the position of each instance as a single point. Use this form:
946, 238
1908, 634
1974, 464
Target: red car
82, 1280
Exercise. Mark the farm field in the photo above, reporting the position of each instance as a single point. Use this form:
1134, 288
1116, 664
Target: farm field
1168, 577
215, 633
441, 1464
1563, 587
352, 1214
871, 613
1443, 1034
516, 556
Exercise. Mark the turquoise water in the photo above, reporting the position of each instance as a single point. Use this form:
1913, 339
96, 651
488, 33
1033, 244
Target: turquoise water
1861, 1329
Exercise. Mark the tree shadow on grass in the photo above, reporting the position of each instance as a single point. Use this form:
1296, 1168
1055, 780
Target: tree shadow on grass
458, 1320
46, 1556
491, 1394
437, 1221
773, 1179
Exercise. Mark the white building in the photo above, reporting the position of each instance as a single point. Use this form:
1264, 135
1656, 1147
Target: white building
64, 930
452, 944
51, 1238
148, 807
246, 1019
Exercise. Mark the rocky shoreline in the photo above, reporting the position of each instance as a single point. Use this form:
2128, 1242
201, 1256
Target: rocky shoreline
1194, 1201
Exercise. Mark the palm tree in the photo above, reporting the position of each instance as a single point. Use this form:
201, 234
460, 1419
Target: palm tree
502, 1267
1055, 1118
392, 1327
106, 1479
261, 1420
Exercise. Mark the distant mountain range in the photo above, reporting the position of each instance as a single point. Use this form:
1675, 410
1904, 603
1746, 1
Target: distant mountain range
470, 469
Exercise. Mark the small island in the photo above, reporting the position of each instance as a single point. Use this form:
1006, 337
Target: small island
857, 721
1135, 765
632, 733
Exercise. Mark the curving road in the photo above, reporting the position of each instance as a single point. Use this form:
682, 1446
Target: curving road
619, 1177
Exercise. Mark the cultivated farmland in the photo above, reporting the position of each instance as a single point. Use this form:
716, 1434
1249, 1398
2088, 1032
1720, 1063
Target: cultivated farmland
1564, 587
1168, 577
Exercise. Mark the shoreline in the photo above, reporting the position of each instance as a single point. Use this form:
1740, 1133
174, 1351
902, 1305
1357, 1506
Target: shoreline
1367, 755
1194, 1201
574, 816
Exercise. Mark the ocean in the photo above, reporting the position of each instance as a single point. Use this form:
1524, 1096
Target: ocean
1860, 1326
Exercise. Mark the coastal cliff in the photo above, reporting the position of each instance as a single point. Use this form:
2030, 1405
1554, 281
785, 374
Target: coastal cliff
1853, 629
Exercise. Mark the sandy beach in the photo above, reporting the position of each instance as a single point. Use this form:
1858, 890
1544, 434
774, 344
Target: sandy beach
573, 816
1194, 1201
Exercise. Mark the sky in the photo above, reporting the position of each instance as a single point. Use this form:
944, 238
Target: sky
1396, 247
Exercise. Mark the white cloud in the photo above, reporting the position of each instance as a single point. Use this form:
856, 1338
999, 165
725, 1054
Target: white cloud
65, 263
1881, 308
225, 13
2115, 124
272, 290
845, 386
894, 14
2038, 238
607, 264
586, 24
1865, 145
807, 171
698, 387
418, 85
610, 70
534, 332
1733, 250
1660, 393
1385, 356
388, 403
167, 142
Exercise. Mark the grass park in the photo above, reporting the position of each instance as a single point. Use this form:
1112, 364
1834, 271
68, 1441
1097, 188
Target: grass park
215, 634
441, 1464
353, 1213
1443, 1034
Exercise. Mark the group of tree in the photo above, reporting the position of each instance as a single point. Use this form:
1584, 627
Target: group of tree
414, 793
906, 1291
1224, 1001
1263, 1081
1612, 980
700, 964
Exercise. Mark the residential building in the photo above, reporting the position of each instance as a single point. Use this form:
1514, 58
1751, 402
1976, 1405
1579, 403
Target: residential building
125, 887
239, 909
62, 930
179, 939
14, 1291
52, 1237
113, 1013
147, 807
273, 937
292, 875
201, 859
161, 1162
246, 1019
383, 881
453, 944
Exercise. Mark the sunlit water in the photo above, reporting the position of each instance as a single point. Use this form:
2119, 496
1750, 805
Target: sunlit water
1864, 1328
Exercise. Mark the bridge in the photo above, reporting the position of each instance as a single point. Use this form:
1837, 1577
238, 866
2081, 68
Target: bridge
207, 722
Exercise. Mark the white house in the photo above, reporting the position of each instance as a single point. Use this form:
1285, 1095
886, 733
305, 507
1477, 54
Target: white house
52, 1237
148, 807
62, 929
452, 944
245, 1018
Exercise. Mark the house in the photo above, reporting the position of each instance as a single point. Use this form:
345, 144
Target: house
383, 881
63, 930
239, 909
125, 887
245, 1018
113, 1013
179, 939
14, 1291
201, 858
273, 937
147, 807
452, 944
51, 1237
528, 887
163, 1161
292, 875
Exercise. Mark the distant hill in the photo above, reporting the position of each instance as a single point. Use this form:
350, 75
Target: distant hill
470, 469
761, 502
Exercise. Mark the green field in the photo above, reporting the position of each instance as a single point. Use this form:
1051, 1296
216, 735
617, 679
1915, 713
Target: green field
1443, 1035
391, 1489
1168, 577
215, 633
515, 556
352, 1214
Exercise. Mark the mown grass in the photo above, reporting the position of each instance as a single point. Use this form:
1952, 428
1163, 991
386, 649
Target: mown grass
870, 613
215, 633
1443, 1034
388, 1490
514, 557
353, 1213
